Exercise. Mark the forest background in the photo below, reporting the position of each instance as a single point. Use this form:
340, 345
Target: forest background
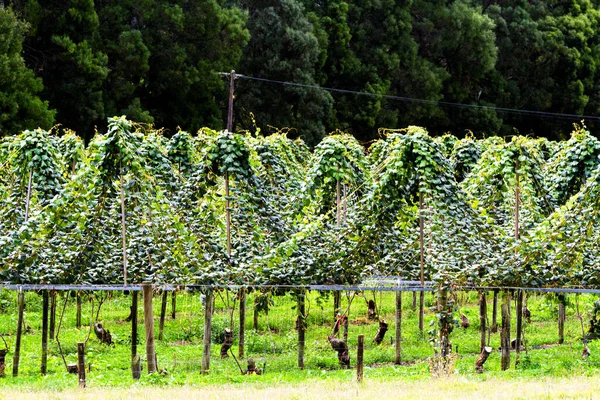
77, 62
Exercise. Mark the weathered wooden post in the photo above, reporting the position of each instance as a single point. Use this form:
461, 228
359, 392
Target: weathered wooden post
359, 358
301, 327
78, 311
561, 318
163, 312
482, 319
149, 328
81, 364
242, 331
52, 313
519, 321
505, 333
44, 332
17, 355
174, 304
135, 358
398, 339
208, 311
494, 326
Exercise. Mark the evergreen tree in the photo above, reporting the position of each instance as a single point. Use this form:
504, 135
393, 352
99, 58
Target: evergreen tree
20, 106
284, 47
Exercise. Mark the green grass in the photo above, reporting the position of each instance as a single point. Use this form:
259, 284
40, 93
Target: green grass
275, 344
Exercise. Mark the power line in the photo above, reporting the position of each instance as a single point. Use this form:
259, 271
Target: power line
423, 101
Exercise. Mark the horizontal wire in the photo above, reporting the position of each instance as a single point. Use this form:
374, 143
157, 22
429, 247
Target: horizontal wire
424, 101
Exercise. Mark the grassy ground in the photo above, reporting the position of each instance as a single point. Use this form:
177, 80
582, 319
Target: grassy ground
274, 344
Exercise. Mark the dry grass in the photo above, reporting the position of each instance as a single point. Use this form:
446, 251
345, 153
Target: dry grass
448, 388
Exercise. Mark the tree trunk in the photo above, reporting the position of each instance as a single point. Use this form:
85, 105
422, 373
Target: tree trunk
398, 338
301, 327
482, 320
483, 356
561, 318
255, 313
163, 312
44, 367
421, 310
173, 304
208, 311
135, 359
414, 301
78, 312
17, 355
242, 323
149, 329
519, 321
505, 333
52, 313
494, 327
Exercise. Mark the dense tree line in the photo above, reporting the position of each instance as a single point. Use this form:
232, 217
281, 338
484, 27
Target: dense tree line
77, 62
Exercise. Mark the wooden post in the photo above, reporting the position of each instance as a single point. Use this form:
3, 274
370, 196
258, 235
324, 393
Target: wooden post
359, 358
255, 313
301, 327
494, 327
519, 321
149, 328
242, 327
78, 312
163, 312
561, 318
17, 355
81, 364
421, 264
482, 320
52, 313
398, 339
505, 333
44, 332
414, 301
123, 226
208, 311
421, 310
135, 359
173, 304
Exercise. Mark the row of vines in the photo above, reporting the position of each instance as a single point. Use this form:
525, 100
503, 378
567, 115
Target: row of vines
222, 208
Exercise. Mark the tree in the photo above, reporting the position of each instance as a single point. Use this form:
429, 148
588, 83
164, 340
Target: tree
20, 106
283, 46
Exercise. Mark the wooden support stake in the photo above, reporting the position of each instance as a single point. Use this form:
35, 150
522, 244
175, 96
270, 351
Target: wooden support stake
301, 327
494, 326
398, 339
242, 328
149, 328
163, 312
519, 321
208, 311
17, 355
81, 364
414, 301
505, 333
359, 358
78, 311
482, 320
255, 313
561, 318
173, 304
44, 366
135, 358
52, 313
337, 299
421, 311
